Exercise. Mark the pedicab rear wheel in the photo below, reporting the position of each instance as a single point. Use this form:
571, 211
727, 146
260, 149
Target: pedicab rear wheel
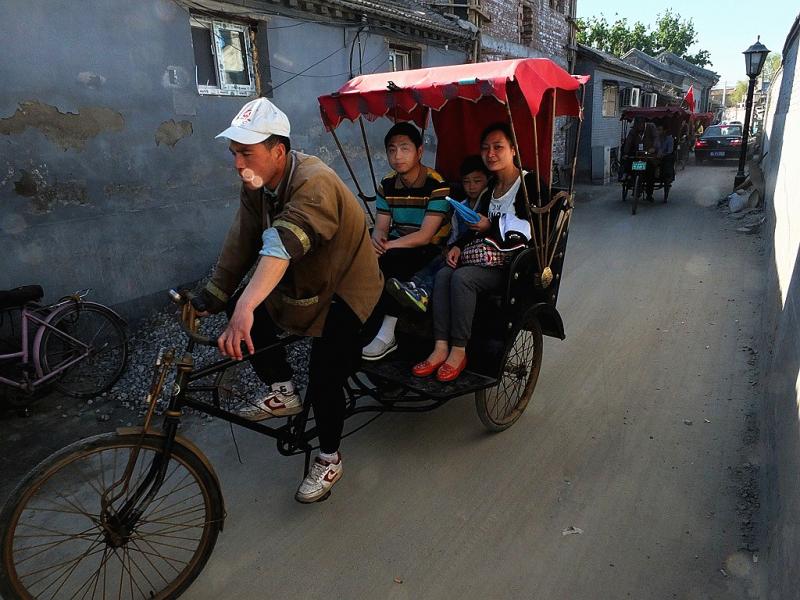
500, 406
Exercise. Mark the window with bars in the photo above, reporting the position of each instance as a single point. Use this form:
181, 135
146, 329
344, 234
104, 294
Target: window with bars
223, 57
526, 29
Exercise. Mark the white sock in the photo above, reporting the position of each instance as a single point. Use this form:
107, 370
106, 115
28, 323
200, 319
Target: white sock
386, 332
330, 458
286, 387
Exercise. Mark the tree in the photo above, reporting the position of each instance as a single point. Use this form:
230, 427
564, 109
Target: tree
771, 66
739, 92
671, 33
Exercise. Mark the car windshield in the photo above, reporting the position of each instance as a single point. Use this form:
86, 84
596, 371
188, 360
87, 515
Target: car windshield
723, 130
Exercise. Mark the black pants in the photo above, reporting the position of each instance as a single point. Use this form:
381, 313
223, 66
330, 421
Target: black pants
334, 357
401, 263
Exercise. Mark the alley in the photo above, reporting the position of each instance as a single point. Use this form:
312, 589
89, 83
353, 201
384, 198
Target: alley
638, 435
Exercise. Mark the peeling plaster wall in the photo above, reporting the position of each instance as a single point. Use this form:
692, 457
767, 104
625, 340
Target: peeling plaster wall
110, 176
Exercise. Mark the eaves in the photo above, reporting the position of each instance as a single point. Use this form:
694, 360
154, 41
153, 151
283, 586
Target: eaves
340, 12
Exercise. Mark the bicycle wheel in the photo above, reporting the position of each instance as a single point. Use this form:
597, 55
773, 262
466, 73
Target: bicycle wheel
91, 329
499, 407
54, 544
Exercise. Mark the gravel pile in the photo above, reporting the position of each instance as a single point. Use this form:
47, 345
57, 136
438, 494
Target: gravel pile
162, 331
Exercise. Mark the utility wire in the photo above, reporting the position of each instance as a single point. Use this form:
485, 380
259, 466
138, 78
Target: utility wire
308, 68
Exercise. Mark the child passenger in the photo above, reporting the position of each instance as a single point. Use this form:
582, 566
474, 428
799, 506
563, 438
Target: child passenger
416, 293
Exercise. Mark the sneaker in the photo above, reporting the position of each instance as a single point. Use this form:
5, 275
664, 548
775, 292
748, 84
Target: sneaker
408, 294
279, 402
378, 349
319, 481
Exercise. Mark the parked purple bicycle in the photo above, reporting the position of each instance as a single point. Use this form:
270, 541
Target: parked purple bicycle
79, 347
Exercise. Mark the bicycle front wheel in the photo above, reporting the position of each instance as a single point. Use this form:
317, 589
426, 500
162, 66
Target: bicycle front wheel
57, 542
93, 338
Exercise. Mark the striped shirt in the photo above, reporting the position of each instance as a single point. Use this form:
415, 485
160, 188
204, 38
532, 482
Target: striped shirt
407, 207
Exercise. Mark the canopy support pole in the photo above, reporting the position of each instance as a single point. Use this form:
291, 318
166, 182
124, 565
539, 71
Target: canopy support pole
538, 185
552, 152
577, 142
524, 186
369, 154
353, 175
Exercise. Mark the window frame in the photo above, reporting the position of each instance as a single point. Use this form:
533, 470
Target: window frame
410, 52
225, 89
614, 89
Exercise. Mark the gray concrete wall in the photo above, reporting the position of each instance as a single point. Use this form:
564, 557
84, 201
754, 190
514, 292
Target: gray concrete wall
599, 130
110, 176
782, 331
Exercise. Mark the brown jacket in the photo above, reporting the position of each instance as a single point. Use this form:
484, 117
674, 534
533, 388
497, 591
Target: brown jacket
324, 230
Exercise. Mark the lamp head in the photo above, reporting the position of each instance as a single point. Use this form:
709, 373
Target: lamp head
755, 57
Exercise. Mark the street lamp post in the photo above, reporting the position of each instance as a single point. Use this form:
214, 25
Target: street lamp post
754, 57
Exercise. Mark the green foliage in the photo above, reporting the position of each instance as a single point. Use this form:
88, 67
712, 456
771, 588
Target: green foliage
739, 92
771, 66
671, 33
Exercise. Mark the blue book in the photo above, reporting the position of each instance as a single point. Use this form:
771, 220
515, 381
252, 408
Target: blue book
463, 211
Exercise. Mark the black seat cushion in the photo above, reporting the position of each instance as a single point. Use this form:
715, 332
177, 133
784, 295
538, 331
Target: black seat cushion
20, 296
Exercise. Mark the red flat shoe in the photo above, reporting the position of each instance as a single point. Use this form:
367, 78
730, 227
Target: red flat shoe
447, 373
425, 368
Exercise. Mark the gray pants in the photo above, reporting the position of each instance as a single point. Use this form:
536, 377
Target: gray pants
454, 297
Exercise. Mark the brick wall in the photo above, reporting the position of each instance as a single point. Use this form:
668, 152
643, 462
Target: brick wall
541, 25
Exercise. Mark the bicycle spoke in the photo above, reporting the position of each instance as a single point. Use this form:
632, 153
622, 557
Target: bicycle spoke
149, 514
155, 553
96, 576
147, 558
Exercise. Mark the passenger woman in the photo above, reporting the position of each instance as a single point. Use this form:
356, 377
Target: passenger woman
503, 225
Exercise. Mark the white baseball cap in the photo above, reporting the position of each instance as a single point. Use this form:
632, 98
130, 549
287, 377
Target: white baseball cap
257, 120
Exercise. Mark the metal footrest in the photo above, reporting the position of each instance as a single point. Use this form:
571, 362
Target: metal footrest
398, 371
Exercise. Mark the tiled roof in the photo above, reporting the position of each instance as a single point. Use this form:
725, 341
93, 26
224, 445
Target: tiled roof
610, 59
675, 60
654, 62
407, 11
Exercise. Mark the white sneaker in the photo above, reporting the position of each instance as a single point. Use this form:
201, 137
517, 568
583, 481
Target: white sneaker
319, 481
279, 402
378, 349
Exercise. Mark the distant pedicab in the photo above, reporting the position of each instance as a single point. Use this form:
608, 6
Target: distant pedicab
643, 169
136, 513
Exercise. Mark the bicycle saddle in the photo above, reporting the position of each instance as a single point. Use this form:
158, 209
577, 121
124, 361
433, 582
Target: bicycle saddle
20, 296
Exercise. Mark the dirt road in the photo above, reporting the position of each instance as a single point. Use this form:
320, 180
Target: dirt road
639, 437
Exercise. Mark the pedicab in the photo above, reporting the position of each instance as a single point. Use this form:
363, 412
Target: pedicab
136, 513
633, 179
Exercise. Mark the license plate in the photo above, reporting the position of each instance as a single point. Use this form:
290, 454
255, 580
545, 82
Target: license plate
717, 154
641, 165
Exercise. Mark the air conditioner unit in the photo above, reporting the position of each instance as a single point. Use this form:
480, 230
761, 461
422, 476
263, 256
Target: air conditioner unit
630, 97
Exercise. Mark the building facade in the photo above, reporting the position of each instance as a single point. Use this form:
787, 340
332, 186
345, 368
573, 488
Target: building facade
614, 86
110, 176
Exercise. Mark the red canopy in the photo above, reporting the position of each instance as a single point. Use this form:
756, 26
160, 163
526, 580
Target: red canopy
465, 99
656, 112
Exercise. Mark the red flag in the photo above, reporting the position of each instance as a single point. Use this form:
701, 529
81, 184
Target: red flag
689, 98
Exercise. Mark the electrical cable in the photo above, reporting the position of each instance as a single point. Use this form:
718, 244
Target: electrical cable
308, 68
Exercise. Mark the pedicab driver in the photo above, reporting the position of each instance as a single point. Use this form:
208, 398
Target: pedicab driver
316, 274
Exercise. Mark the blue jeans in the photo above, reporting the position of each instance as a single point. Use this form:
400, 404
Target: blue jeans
425, 277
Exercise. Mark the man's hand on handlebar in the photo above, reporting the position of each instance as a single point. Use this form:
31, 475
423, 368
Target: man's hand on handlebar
237, 331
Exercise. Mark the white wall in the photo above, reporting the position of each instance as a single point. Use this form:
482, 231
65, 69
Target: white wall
781, 414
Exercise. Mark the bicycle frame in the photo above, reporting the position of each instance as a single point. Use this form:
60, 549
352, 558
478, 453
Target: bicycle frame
30, 354
293, 437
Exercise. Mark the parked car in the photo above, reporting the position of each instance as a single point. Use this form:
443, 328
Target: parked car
718, 142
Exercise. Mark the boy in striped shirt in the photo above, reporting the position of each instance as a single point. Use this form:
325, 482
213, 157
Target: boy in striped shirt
411, 225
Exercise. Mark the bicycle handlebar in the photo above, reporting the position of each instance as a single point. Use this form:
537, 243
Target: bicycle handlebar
189, 316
